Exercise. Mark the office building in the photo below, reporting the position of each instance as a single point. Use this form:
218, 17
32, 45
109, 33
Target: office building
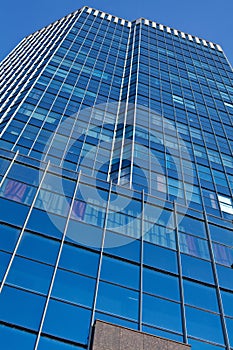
116, 183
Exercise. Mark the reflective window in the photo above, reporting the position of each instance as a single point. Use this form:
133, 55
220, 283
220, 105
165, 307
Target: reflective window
38, 248
159, 235
161, 313
200, 295
194, 246
79, 260
21, 308
30, 275
24, 173
229, 323
8, 210
209, 322
225, 276
52, 344
227, 299
87, 235
198, 345
12, 337
191, 225
164, 334
196, 268
8, 237
122, 246
223, 254
115, 320
67, 321
49, 224
4, 164
160, 284
120, 272
4, 261
221, 235
17, 191
73, 287
160, 257
118, 301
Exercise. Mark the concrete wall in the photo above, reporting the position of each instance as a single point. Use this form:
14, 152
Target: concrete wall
111, 337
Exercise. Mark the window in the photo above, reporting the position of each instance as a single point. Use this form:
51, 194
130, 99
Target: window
67, 321
125, 273
160, 284
21, 308
200, 295
159, 257
161, 313
72, 287
118, 301
12, 337
209, 322
30, 275
225, 204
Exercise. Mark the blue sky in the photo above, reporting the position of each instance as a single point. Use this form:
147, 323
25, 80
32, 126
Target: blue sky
208, 19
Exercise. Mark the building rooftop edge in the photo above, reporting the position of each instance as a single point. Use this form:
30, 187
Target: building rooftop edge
143, 20
154, 24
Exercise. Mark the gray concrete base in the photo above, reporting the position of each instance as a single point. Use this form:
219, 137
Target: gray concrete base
107, 336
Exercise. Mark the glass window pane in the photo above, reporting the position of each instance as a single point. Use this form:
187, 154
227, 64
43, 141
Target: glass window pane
52, 344
8, 210
17, 191
196, 268
21, 308
225, 276
221, 235
24, 173
79, 260
190, 225
38, 248
198, 345
160, 284
115, 320
120, 272
117, 300
8, 237
227, 299
164, 334
122, 246
211, 327
30, 275
229, 323
67, 321
73, 287
52, 225
12, 337
4, 261
84, 234
159, 257
194, 246
201, 296
161, 313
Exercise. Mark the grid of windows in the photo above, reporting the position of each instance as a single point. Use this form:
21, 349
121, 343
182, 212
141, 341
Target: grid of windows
116, 155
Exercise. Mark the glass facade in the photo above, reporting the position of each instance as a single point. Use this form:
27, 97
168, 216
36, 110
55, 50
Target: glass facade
116, 185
